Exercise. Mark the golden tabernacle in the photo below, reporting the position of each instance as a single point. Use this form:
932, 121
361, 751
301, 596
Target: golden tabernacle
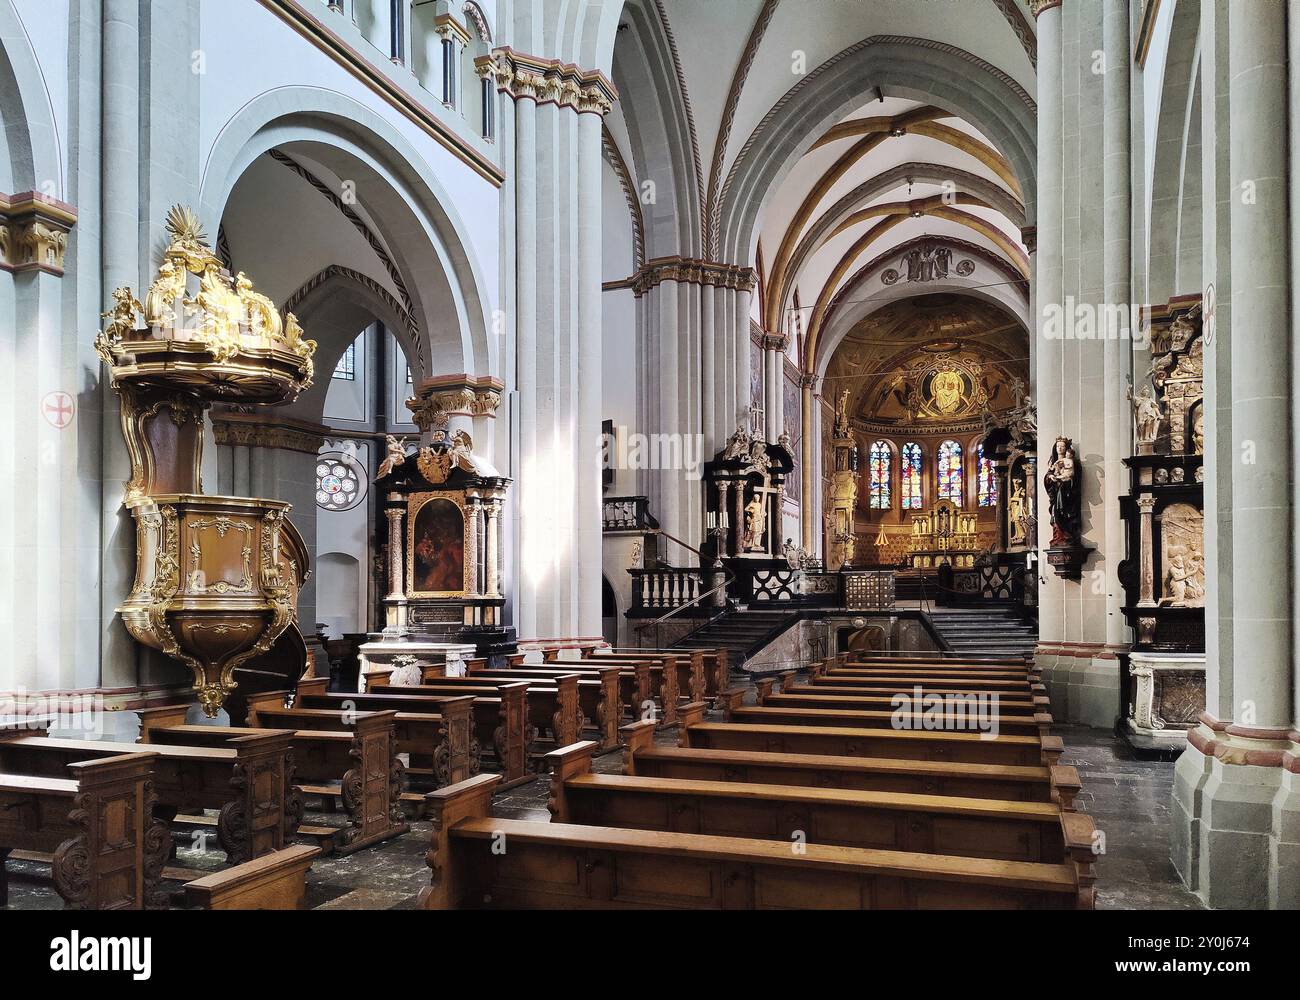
944, 535
217, 578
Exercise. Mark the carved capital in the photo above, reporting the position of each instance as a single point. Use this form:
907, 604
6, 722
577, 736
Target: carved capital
463, 395
693, 271
34, 232
548, 81
1039, 7
256, 430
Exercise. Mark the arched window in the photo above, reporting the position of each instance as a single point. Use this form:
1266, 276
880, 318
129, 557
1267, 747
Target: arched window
988, 481
948, 472
910, 478
882, 460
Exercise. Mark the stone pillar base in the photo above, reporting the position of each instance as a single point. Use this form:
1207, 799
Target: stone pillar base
1082, 684
1235, 839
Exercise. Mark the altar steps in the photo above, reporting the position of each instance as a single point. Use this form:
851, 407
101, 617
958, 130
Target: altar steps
742, 633
985, 631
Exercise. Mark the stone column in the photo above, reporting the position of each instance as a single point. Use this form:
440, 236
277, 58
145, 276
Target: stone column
471, 548
1116, 266
396, 586
709, 370
741, 319
807, 387
1146, 568
120, 249
1049, 353
493, 544
1261, 363
556, 173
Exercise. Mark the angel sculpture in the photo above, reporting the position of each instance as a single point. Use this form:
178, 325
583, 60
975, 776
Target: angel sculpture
395, 457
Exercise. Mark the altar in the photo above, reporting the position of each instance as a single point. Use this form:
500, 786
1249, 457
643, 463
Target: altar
945, 535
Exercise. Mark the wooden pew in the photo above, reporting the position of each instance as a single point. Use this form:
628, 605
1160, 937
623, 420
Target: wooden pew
564, 866
787, 691
635, 684
713, 661
108, 848
897, 681
599, 699
982, 781
684, 675
1014, 693
692, 671
894, 821
936, 670
497, 721
360, 756
441, 744
275, 881
959, 715
835, 741
768, 694
249, 781
663, 680
553, 705
1019, 662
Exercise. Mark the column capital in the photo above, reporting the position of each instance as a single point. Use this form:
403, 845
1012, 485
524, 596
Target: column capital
34, 232
693, 271
1029, 237
1146, 503
455, 395
808, 381
775, 342
1038, 7
262, 430
446, 27
548, 81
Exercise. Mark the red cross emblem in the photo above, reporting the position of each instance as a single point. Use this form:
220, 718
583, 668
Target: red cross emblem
58, 408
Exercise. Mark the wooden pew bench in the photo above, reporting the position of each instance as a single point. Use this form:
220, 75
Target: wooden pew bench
895, 821
440, 744
835, 741
599, 699
553, 705
564, 866
982, 781
275, 881
959, 715
498, 719
808, 696
897, 681
671, 676
248, 781
707, 667
359, 759
635, 685
787, 691
97, 821
1018, 662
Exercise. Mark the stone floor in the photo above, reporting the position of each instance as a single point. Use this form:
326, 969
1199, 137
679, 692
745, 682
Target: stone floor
1127, 798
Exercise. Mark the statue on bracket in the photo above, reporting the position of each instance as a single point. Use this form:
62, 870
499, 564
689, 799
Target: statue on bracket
1062, 481
1147, 417
396, 455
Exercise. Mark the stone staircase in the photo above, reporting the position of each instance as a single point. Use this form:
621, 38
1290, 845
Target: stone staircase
984, 631
742, 632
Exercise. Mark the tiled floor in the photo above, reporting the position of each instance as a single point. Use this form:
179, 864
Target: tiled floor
1127, 798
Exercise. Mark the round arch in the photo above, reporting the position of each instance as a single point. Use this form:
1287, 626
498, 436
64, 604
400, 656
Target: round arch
31, 136
919, 69
426, 238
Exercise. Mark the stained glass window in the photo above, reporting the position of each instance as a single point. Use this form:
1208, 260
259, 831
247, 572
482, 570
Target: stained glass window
988, 482
948, 472
910, 478
881, 460
346, 369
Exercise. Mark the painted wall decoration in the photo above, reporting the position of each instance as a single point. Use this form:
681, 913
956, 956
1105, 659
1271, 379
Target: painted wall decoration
438, 550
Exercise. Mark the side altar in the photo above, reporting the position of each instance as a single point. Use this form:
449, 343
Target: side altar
1163, 574
439, 530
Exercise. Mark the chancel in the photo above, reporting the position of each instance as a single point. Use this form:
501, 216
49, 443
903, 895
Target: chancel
580, 423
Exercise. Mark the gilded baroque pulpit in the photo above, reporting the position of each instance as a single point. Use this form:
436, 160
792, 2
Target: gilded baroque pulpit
217, 578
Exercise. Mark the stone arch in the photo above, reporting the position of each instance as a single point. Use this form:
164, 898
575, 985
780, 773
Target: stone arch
31, 139
426, 238
1178, 96
919, 69
661, 131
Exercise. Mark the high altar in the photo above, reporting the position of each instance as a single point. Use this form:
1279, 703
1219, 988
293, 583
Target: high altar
217, 578
943, 536
1164, 573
